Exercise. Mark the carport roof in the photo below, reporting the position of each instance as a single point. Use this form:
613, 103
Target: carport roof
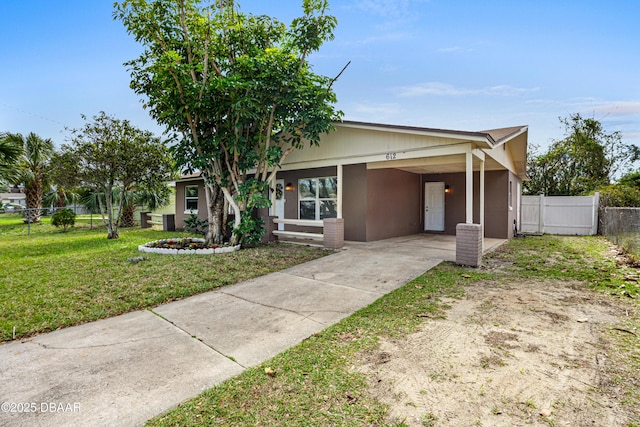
492, 136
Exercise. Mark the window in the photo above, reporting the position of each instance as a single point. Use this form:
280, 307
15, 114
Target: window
191, 199
318, 198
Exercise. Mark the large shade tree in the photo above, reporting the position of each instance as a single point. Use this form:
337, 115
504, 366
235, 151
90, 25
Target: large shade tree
586, 159
114, 157
64, 179
238, 89
31, 169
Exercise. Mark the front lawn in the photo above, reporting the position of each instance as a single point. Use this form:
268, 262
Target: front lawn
317, 382
50, 279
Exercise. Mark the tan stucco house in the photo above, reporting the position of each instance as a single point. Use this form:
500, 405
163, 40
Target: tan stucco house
388, 181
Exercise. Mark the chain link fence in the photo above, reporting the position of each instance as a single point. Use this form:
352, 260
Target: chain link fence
621, 226
29, 217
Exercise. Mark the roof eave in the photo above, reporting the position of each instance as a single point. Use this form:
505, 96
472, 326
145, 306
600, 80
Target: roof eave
481, 138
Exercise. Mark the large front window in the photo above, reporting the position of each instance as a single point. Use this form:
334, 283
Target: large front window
191, 199
318, 198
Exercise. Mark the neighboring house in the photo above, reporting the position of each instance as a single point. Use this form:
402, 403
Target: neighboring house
13, 199
388, 181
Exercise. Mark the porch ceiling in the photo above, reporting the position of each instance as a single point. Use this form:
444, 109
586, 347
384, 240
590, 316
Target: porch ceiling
441, 164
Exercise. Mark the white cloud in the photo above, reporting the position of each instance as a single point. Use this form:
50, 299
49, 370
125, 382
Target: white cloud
616, 108
382, 38
454, 49
446, 89
384, 8
375, 109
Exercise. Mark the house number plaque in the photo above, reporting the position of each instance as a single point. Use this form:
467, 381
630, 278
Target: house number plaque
392, 156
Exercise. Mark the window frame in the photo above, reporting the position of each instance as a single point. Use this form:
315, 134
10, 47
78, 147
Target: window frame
188, 198
317, 200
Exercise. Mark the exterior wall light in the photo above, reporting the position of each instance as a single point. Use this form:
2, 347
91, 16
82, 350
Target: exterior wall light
447, 189
288, 187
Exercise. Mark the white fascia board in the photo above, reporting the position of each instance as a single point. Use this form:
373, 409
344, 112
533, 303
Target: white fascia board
384, 156
477, 137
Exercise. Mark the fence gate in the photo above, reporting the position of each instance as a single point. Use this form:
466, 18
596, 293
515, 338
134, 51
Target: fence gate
569, 215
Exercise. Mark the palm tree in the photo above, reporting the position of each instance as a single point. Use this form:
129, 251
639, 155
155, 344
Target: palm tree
10, 152
32, 165
150, 198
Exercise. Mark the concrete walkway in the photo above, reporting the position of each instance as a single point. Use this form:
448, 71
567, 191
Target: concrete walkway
124, 370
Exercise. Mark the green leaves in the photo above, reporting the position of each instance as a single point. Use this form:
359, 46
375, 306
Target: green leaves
116, 157
585, 160
238, 87
10, 151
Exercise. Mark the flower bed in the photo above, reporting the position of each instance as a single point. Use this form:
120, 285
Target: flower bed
188, 246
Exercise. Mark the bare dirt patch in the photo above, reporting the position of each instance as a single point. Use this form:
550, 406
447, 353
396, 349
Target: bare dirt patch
527, 353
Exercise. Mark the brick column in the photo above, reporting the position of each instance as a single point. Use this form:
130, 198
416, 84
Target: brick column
168, 222
144, 220
333, 233
269, 227
469, 244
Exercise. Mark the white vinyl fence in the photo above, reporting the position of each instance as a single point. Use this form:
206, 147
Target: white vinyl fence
569, 215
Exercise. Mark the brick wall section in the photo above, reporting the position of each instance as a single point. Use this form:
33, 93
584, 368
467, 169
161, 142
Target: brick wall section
333, 233
144, 220
168, 222
269, 226
469, 244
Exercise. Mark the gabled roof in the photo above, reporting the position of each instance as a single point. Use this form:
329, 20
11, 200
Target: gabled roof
422, 130
501, 134
492, 137
505, 147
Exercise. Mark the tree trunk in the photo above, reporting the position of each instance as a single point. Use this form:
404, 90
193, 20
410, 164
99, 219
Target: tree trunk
218, 216
127, 219
237, 212
33, 193
215, 215
112, 225
61, 199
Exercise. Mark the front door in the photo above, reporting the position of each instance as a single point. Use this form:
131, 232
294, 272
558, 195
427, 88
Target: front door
434, 206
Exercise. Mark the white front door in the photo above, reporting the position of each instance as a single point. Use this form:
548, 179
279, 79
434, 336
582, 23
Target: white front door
434, 206
280, 201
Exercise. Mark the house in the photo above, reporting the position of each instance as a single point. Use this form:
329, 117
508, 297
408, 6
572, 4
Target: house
387, 181
15, 199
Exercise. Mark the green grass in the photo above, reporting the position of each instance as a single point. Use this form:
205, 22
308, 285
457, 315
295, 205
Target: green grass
50, 279
12, 224
572, 258
314, 382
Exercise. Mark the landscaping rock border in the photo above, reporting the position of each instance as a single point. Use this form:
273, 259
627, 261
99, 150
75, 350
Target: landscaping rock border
207, 251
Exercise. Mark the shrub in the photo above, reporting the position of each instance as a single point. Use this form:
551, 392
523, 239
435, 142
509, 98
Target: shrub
64, 218
250, 230
196, 225
619, 195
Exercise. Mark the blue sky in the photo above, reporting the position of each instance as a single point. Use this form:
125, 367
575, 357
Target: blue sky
451, 64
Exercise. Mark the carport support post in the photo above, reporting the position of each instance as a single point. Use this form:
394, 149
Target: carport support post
469, 244
333, 230
469, 188
339, 177
482, 201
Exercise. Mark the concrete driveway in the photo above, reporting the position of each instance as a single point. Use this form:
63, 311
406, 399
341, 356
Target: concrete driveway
124, 370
